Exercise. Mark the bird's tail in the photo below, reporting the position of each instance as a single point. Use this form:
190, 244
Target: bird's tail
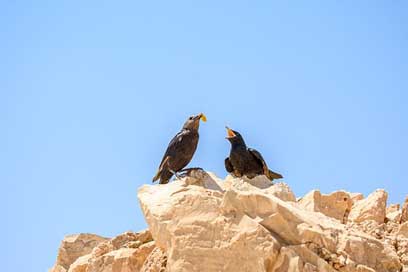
157, 176
161, 172
272, 175
165, 176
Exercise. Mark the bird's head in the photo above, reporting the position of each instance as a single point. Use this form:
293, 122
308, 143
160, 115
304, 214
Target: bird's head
234, 137
193, 122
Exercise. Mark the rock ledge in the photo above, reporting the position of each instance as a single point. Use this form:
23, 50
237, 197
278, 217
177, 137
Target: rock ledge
203, 223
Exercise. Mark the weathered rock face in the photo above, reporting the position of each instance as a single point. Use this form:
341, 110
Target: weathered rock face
336, 205
244, 225
202, 223
75, 246
371, 208
404, 212
124, 253
155, 262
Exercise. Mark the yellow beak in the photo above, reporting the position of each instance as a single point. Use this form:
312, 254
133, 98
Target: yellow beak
230, 133
202, 117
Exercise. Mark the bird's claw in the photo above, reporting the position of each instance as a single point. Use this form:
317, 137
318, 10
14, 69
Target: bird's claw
175, 174
190, 169
185, 172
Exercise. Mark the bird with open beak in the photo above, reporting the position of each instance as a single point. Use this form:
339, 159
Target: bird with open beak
180, 150
244, 161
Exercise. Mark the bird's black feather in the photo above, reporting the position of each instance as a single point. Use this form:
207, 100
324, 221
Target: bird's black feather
246, 161
228, 165
180, 151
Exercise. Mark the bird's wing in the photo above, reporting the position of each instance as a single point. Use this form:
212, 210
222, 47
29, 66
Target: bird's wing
170, 152
270, 174
159, 171
228, 165
259, 158
172, 147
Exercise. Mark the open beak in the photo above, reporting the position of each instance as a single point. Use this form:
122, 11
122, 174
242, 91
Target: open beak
230, 133
202, 117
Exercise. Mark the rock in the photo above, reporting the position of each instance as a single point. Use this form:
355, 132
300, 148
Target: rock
188, 223
404, 212
203, 179
129, 238
282, 190
74, 246
403, 230
123, 253
356, 197
121, 260
155, 262
57, 268
259, 182
392, 208
81, 264
402, 251
393, 213
336, 205
394, 216
371, 208
246, 228
299, 258
202, 223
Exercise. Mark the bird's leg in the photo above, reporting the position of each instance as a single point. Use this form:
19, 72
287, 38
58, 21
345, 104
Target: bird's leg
187, 171
171, 170
191, 169
174, 173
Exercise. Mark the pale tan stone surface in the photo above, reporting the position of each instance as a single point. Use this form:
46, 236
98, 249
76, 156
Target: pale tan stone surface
81, 264
403, 230
123, 253
214, 230
404, 211
203, 223
356, 197
76, 245
393, 213
280, 189
371, 208
336, 205
394, 216
299, 258
57, 268
189, 224
155, 262
121, 260
392, 208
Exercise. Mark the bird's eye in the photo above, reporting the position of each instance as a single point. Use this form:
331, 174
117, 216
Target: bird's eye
191, 118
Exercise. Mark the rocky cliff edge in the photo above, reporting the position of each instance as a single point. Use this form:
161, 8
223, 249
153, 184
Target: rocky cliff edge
203, 223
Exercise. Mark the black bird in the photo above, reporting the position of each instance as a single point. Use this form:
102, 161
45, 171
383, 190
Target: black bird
180, 150
246, 161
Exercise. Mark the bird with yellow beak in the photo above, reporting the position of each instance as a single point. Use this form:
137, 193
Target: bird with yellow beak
180, 150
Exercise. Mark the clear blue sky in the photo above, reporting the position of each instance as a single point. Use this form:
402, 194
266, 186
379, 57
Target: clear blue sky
91, 92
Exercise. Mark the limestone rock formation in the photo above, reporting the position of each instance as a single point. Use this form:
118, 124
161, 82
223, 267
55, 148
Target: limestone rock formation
75, 246
404, 212
155, 262
124, 253
336, 205
393, 213
371, 208
203, 223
